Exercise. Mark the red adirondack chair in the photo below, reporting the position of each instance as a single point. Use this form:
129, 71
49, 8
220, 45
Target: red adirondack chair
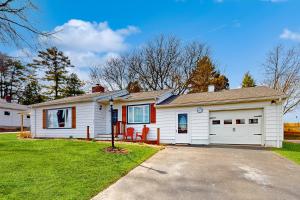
129, 133
144, 134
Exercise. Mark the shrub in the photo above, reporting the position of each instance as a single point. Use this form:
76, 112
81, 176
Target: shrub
25, 134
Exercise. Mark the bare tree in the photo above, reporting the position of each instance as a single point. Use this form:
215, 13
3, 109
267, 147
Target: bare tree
191, 54
113, 74
14, 21
282, 70
161, 63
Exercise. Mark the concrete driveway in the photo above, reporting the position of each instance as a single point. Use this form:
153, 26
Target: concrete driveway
179, 172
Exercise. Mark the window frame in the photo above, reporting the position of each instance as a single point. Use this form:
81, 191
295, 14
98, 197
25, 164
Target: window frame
212, 122
59, 109
256, 119
136, 105
240, 120
227, 123
187, 123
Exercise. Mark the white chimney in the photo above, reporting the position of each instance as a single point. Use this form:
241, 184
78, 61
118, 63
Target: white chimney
211, 88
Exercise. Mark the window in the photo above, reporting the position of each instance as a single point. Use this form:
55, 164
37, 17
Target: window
59, 118
28, 116
228, 121
253, 121
7, 113
139, 114
215, 122
182, 123
240, 121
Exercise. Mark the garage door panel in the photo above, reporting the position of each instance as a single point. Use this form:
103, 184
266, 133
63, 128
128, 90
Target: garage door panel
236, 127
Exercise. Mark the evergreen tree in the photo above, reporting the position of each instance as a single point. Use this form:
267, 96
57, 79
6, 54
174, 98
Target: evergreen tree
73, 86
32, 93
248, 81
55, 64
205, 74
12, 77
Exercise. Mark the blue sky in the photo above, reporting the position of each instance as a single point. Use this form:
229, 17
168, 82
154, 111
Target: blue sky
239, 32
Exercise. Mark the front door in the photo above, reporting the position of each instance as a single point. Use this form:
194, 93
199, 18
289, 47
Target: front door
182, 128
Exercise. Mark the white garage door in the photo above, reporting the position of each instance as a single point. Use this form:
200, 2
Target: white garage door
236, 127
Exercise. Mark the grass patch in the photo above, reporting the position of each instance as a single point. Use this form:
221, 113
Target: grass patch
290, 151
62, 169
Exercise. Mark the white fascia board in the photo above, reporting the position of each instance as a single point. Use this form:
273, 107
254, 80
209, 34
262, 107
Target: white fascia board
164, 96
112, 95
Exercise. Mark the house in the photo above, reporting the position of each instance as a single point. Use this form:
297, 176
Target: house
238, 116
10, 115
70, 117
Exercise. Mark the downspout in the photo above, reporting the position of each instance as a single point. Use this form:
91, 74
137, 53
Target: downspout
279, 122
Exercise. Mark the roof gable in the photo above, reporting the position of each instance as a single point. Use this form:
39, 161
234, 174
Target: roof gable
148, 95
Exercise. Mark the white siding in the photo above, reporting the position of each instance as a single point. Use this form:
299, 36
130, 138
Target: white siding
85, 114
12, 120
273, 125
100, 119
137, 127
199, 122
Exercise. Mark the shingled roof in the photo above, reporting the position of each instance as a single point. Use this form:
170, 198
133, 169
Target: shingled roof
75, 99
259, 93
138, 96
13, 106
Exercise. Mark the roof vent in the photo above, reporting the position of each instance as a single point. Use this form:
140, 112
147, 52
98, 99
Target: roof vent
211, 88
98, 88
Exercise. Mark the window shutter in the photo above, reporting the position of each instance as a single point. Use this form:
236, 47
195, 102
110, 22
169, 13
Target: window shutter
74, 117
44, 118
152, 113
124, 114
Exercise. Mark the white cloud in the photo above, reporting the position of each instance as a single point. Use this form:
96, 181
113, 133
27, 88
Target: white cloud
89, 43
290, 35
91, 36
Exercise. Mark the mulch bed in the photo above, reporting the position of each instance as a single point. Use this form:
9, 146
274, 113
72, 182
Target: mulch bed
116, 150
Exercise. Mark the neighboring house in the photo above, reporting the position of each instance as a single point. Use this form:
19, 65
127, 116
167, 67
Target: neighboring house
239, 116
10, 117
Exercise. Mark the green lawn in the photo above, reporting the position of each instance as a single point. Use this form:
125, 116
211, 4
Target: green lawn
290, 151
62, 169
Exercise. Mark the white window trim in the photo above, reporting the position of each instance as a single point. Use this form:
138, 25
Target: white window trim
144, 113
71, 118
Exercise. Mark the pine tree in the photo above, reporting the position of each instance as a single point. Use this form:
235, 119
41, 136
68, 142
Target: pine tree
12, 77
73, 86
205, 74
248, 81
55, 64
32, 93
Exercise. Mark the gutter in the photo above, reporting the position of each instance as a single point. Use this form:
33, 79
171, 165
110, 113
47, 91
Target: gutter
208, 103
